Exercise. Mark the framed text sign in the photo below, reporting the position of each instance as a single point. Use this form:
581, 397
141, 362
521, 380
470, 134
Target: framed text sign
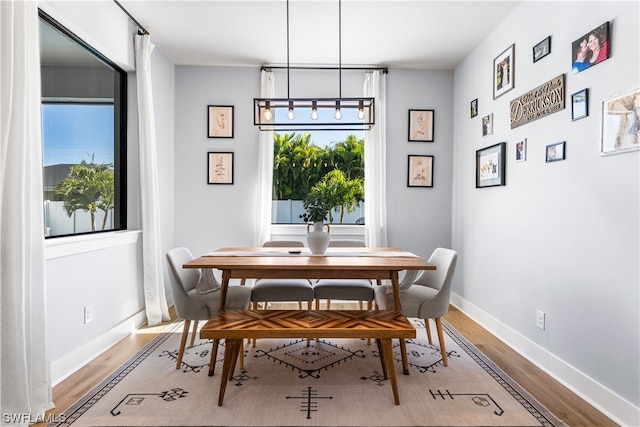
546, 99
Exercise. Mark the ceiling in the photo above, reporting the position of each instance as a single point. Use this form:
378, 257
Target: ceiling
412, 34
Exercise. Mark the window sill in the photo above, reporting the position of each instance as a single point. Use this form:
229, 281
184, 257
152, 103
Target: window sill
301, 229
73, 245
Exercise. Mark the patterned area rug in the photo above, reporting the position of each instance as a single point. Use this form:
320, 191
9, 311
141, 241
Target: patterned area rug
331, 382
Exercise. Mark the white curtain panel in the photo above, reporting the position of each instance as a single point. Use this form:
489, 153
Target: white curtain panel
265, 168
375, 159
154, 294
25, 393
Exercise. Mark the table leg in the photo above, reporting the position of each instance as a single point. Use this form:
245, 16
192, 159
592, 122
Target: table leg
224, 286
214, 356
396, 300
227, 371
388, 352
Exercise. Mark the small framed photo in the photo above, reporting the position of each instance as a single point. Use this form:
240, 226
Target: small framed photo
474, 108
220, 121
620, 132
487, 125
504, 72
421, 125
219, 168
580, 104
420, 172
490, 166
521, 151
591, 49
555, 152
542, 49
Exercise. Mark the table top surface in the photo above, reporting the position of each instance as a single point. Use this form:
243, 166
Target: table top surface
277, 258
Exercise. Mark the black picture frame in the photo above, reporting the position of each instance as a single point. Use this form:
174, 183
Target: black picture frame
473, 108
220, 121
220, 167
555, 152
542, 49
580, 104
583, 49
419, 171
421, 125
491, 166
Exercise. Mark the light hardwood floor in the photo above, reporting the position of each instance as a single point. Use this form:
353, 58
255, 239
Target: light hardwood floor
558, 399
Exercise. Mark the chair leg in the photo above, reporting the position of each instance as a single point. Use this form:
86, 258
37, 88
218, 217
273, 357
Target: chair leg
193, 333
183, 341
426, 326
369, 307
317, 304
441, 339
241, 355
328, 304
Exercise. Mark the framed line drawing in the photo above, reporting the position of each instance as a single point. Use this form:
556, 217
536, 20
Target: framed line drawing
220, 121
521, 151
580, 104
219, 168
421, 125
620, 123
420, 171
542, 49
555, 152
504, 72
474, 108
490, 165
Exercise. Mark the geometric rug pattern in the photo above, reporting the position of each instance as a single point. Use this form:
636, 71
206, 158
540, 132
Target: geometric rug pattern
330, 382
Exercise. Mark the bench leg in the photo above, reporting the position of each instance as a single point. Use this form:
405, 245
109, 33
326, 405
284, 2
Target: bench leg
214, 354
383, 361
227, 367
403, 353
388, 353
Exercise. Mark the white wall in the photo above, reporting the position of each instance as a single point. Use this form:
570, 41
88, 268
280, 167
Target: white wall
105, 270
559, 237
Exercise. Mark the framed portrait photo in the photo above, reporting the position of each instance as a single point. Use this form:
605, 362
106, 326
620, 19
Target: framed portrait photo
580, 104
555, 152
219, 168
421, 125
591, 49
542, 49
420, 171
474, 108
504, 72
490, 166
219, 121
620, 123
487, 125
521, 151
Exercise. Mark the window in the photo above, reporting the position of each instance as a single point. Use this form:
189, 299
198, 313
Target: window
303, 159
83, 135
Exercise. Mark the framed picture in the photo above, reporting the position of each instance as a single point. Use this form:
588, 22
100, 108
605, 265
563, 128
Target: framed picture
220, 121
420, 172
487, 125
542, 49
421, 125
580, 104
521, 151
620, 132
504, 72
591, 49
555, 152
474, 108
490, 166
219, 168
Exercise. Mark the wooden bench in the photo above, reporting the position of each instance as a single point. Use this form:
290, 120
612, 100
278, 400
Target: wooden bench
236, 325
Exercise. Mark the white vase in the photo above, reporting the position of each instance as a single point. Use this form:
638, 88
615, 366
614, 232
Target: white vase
318, 239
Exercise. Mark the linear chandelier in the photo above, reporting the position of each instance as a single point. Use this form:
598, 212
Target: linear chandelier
344, 113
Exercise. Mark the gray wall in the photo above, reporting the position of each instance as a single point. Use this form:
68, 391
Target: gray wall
560, 237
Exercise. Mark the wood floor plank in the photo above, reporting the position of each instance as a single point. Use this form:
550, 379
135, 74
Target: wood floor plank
565, 404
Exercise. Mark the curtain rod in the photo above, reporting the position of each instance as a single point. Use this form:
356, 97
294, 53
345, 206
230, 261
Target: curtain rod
141, 29
385, 70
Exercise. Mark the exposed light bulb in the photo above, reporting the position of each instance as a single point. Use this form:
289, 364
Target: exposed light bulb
314, 110
290, 114
268, 115
338, 113
360, 110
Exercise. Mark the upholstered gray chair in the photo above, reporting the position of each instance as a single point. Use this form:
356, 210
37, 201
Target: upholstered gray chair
428, 297
194, 306
344, 289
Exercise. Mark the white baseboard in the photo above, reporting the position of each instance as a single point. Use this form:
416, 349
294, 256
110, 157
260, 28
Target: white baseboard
67, 365
600, 397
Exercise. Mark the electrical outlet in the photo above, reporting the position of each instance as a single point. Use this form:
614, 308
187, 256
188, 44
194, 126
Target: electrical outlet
540, 319
88, 313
